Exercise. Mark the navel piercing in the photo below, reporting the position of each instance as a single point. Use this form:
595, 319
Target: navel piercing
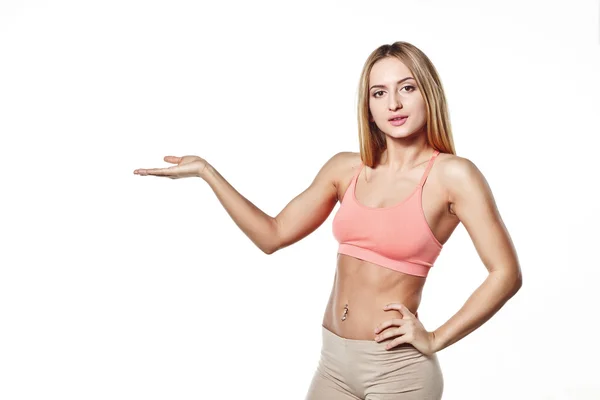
345, 312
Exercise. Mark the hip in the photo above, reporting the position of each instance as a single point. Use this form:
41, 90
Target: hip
364, 367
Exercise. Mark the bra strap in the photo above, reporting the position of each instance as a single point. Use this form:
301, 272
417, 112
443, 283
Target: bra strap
352, 185
429, 165
357, 173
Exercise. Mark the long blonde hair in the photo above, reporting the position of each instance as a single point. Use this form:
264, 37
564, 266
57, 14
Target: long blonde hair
439, 132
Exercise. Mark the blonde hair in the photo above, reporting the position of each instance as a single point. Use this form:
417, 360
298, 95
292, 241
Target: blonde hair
439, 132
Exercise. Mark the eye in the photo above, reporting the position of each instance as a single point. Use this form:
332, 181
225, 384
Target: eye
412, 89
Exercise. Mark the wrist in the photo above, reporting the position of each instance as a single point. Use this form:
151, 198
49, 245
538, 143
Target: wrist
206, 171
436, 342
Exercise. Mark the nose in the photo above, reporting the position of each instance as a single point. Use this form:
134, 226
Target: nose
394, 101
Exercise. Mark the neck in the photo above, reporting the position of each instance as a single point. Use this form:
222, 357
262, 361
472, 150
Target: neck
398, 159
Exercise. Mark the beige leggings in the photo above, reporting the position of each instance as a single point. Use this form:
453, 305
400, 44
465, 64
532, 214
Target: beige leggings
365, 370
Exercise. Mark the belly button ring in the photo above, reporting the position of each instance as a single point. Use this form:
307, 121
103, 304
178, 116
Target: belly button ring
345, 312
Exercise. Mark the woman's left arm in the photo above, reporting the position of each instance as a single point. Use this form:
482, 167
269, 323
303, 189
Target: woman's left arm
471, 200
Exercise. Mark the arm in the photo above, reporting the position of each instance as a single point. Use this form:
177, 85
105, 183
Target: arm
472, 201
301, 216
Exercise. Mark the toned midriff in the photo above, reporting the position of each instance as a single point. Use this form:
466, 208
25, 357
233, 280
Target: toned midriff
366, 288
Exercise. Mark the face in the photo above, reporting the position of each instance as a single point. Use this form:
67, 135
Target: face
391, 94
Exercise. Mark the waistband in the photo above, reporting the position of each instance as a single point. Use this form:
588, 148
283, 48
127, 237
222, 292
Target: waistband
330, 339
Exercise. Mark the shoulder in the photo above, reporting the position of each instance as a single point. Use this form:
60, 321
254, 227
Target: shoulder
346, 157
344, 162
340, 167
455, 169
461, 178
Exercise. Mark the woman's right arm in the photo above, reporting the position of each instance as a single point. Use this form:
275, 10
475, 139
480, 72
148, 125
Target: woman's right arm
300, 217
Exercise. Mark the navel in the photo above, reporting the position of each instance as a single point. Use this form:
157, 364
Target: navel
345, 312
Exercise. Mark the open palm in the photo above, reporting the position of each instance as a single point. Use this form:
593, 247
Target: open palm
187, 166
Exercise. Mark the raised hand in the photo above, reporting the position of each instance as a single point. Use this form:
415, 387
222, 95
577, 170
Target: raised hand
187, 166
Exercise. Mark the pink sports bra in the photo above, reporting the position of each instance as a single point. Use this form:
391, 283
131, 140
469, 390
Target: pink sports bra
396, 237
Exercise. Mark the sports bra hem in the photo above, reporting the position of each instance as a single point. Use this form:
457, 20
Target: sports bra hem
406, 267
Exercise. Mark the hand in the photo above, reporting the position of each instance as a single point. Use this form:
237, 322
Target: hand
187, 166
410, 330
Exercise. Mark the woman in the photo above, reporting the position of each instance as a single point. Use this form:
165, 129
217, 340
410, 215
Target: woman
401, 198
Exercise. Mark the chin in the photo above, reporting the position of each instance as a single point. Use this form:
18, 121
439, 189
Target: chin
401, 134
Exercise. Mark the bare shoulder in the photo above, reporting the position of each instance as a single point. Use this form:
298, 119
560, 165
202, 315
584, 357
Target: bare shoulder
346, 158
453, 167
340, 169
347, 163
461, 178
349, 160
343, 163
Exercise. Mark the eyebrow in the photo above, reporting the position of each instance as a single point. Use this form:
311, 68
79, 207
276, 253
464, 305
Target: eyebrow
400, 81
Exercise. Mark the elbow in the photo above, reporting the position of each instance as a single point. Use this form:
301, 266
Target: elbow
519, 279
274, 239
273, 244
517, 283
269, 250
511, 281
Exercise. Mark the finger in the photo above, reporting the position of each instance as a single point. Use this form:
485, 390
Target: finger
406, 312
388, 323
140, 171
392, 306
390, 333
156, 171
172, 159
399, 307
398, 341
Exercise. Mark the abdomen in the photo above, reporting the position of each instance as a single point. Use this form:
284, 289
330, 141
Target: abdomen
366, 288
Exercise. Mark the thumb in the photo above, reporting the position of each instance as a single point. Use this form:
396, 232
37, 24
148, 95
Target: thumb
405, 311
172, 159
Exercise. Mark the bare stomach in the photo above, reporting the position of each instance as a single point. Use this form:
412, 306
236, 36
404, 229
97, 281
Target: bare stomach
361, 290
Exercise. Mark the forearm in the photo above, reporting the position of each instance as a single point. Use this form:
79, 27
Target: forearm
489, 297
258, 226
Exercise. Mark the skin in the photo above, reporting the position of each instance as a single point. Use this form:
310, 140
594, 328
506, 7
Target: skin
383, 303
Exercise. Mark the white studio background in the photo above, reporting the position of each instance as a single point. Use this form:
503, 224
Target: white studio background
117, 286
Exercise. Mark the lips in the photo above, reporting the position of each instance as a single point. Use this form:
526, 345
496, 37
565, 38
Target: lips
398, 122
397, 117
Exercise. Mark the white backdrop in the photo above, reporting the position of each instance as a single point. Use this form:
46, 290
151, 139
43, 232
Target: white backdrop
117, 286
